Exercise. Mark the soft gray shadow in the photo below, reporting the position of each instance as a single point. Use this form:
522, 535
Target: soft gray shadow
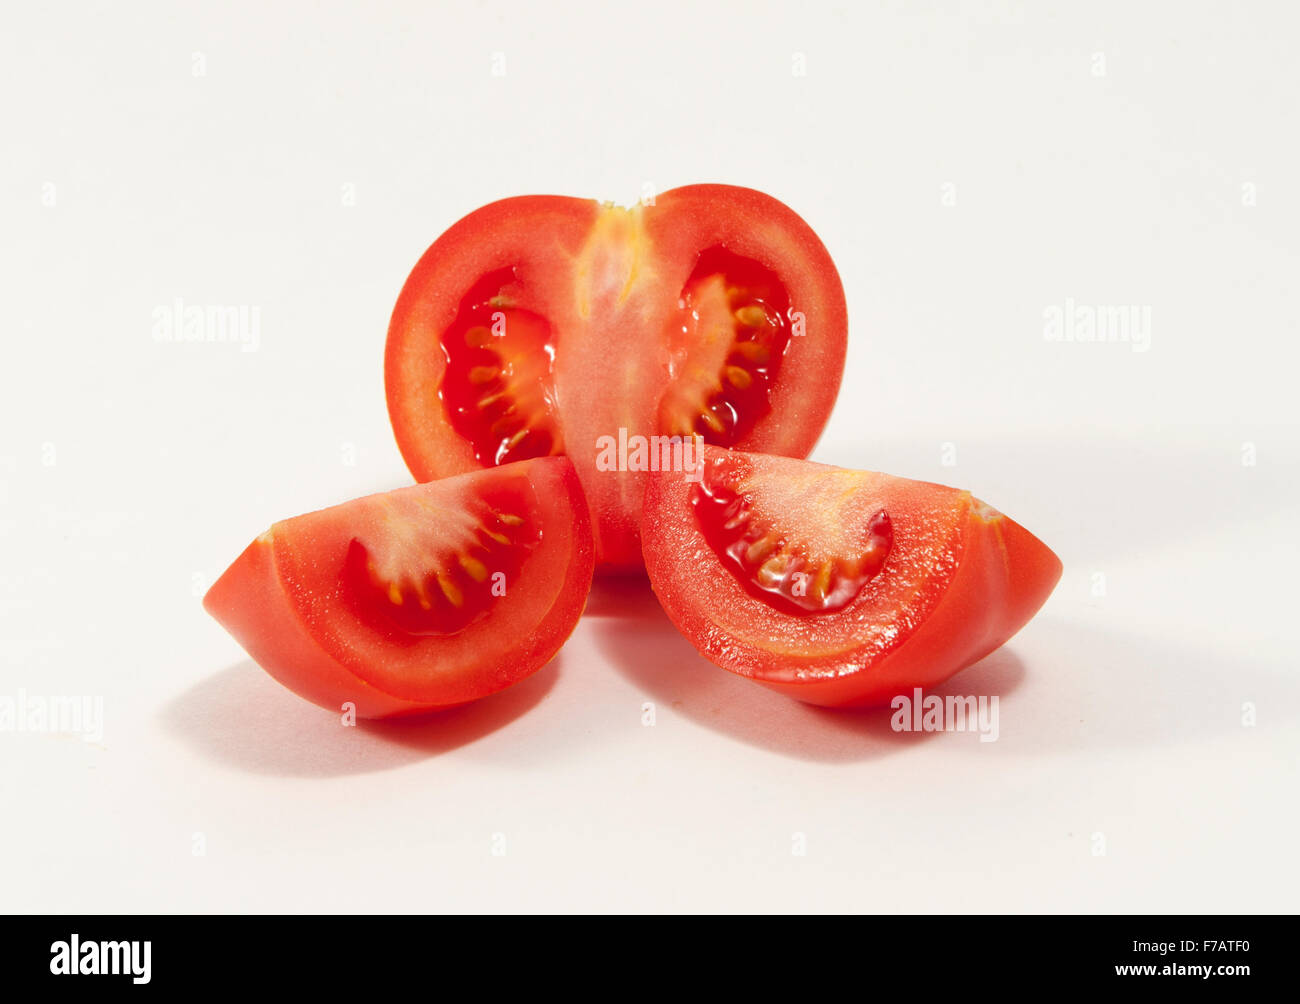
608, 589
1123, 496
1104, 691
640, 642
1093, 689
242, 718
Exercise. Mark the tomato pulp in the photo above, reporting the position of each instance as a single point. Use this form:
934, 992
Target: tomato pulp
419, 598
834, 586
544, 325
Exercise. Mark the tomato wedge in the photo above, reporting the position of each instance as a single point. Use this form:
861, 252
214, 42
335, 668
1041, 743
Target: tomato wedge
833, 586
420, 598
545, 325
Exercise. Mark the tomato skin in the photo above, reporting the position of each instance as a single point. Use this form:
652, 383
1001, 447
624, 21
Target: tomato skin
609, 282
485, 241
983, 577
250, 602
1005, 576
265, 612
755, 225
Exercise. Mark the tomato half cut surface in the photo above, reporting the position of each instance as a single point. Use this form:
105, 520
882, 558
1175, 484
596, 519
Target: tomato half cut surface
544, 325
834, 586
420, 598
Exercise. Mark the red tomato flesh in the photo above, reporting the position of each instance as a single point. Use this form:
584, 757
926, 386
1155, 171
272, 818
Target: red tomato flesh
419, 598
834, 586
540, 325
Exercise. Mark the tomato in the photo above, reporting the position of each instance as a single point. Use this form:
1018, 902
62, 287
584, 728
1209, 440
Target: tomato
545, 325
833, 586
420, 598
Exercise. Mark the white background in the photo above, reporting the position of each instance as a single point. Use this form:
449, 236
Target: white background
1112, 154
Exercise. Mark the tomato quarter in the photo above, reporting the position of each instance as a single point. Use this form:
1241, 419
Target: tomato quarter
834, 586
544, 325
419, 598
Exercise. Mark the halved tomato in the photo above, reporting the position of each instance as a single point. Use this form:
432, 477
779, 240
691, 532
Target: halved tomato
420, 598
834, 586
544, 325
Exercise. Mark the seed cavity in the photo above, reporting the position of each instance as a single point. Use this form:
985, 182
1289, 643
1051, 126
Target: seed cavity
773, 566
727, 346
435, 571
498, 388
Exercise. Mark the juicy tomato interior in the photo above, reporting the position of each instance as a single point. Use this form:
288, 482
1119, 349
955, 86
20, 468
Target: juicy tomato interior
419, 598
543, 325
835, 586
725, 348
434, 570
498, 389
751, 520
724, 351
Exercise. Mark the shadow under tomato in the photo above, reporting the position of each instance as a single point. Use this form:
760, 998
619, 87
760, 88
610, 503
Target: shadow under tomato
242, 718
1126, 495
635, 635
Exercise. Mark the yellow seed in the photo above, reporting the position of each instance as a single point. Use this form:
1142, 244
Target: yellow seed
394, 593
500, 538
822, 583
734, 293
740, 519
477, 337
451, 591
773, 570
474, 568
752, 316
752, 351
518, 438
737, 376
510, 519
480, 375
760, 549
676, 425
487, 402
506, 424
712, 420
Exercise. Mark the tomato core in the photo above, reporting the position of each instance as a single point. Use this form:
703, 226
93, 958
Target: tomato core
498, 388
772, 566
